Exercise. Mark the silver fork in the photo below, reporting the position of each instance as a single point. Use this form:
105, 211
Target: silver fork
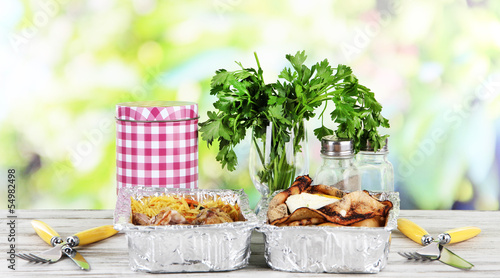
415, 256
32, 258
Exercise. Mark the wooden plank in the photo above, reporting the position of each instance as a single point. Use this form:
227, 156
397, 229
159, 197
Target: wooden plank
109, 258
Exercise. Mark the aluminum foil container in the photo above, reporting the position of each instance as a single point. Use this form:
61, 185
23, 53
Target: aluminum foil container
186, 248
329, 249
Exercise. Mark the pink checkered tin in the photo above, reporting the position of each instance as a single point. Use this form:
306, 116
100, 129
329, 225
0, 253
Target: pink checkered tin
157, 144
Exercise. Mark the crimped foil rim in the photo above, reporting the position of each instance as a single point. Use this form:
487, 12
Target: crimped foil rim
123, 211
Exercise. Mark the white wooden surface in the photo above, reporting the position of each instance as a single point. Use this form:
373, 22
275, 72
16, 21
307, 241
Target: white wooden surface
109, 258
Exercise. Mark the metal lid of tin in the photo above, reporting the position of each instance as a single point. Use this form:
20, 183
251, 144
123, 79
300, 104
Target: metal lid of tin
369, 148
333, 146
157, 111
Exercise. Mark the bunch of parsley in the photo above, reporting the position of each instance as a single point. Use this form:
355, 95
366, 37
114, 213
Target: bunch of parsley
244, 101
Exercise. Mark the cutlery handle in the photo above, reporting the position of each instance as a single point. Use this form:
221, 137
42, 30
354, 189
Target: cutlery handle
91, 235
462, 234
414, 231
49, 235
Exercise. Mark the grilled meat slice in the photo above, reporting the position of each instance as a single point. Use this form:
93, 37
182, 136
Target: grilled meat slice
162, 218
140, 219
326, 190
278, 212
177, 218
377, 221
300, 214
306, 222
168, 217
355, 207
211, 216
300, 184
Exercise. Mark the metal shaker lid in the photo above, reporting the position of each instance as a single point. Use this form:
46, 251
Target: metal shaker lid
368, 147
331, 145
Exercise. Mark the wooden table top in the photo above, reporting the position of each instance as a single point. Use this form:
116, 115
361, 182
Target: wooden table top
109, 258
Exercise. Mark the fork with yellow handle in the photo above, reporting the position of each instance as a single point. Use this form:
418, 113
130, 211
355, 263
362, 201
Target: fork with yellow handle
51, 237
432, 248
421, 236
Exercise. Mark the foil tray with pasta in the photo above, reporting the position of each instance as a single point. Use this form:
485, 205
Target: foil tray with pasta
167, 248
329, 249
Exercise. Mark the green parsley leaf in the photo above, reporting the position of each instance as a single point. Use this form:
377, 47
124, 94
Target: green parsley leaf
322, 131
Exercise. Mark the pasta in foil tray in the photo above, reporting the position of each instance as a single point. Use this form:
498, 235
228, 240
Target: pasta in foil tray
185, 230
176, 210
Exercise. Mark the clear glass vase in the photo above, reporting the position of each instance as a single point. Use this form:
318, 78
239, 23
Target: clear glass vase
274, 164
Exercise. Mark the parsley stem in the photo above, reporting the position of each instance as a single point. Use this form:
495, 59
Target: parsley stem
254, 139
256, 59
258, 65
323, 112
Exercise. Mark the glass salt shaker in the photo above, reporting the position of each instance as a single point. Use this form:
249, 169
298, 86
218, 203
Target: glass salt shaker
338, 169
376, 172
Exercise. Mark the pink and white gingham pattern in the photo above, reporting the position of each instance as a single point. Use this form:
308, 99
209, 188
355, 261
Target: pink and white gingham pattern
154, 112
157, 154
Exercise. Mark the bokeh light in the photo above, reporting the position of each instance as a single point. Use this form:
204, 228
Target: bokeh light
434, 66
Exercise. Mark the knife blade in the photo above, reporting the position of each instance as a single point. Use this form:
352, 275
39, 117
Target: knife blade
76, 257
452, 259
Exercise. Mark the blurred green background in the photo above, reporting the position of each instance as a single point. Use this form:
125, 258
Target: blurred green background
434, 66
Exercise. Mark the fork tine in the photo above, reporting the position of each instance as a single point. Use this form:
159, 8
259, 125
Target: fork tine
30, 258
406, 255
421, 257
36, 260
414, 256
40, 259
425, 258
403, 254
25, 257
